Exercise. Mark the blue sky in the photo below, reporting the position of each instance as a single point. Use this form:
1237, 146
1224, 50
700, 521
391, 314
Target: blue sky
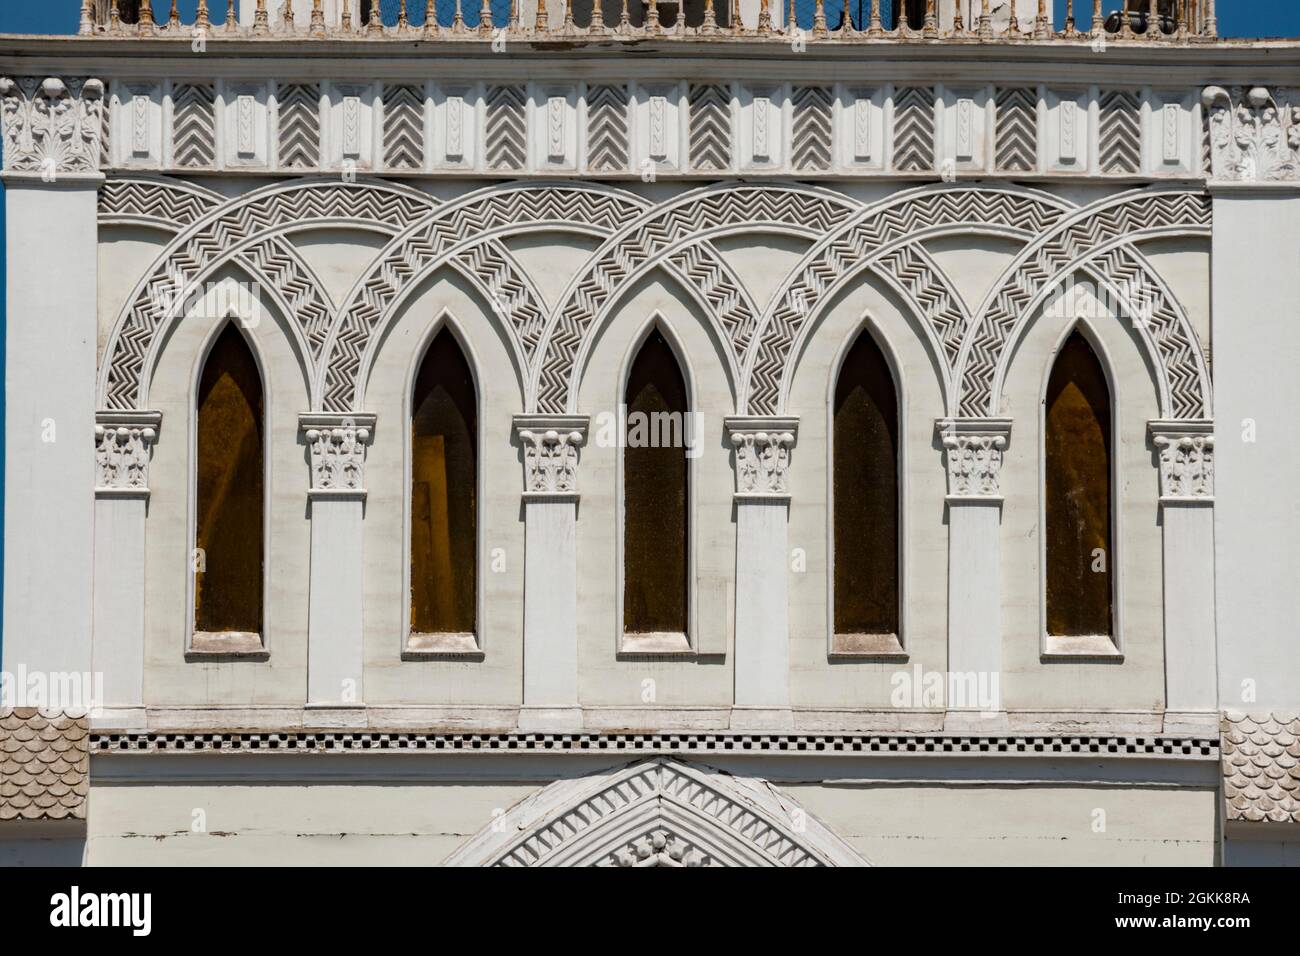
1236, 18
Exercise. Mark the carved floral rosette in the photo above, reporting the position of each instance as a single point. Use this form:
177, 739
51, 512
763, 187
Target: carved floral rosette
973, 452
337, 446
123, 446
1186, 457
550, 451
1253, 134
52, 126
762, 455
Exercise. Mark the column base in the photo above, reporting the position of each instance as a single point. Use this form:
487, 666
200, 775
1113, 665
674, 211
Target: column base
1191, 723
551, 720
332, 716
975, 723
762, 718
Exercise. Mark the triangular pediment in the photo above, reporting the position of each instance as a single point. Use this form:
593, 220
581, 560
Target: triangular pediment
657, 812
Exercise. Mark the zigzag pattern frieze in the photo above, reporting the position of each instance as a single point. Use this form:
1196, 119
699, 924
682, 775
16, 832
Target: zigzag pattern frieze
404, 126
435, 238
505, 131
299, 109
914, 129
164, 205
607, 129
658, 234
710, 127
857, 245
209, 242
1017, 130
812, 129
1119, 137
194, 125
1044, 262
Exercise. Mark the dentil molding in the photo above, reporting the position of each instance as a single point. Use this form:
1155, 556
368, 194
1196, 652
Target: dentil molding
337, 446
550, 445
123, 446
762, 454
973, 449
52, 126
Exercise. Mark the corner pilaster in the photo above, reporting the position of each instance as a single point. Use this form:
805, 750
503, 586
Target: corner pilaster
1185, 457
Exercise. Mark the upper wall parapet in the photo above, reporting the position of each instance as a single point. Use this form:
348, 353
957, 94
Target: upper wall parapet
578, 21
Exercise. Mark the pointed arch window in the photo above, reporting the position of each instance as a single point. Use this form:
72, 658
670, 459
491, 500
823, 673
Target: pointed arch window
444, 494
1078, 518
656, 498
865, 471
230, 501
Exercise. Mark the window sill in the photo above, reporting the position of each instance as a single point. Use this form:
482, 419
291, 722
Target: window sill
226, 646
1095, 647
668, 645
442, 647
867, 647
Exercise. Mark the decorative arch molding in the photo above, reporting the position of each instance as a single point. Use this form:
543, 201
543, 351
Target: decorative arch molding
657, 812
1100, 238
157, 202
247, 223
887, 238
667, 234
448, 234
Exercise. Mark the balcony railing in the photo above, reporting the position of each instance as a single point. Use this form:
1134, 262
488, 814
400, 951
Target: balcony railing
1145, 21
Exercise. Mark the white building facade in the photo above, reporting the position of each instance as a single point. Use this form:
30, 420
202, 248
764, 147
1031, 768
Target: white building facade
976, 197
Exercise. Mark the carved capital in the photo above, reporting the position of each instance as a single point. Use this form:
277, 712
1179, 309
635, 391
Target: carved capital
1186, 453
52, 127
550, 444
973, 450
1253, 136
123, 446
762, 454
337, 446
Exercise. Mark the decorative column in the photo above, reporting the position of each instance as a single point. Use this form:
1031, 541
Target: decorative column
550, 446
337, 448
123, 447
1186, 455
973, 449
762, 448
51, 130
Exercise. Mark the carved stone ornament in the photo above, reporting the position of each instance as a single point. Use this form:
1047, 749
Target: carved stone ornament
123, 446
657, 812
52, 127
973, 452
1186, 451
550, 445
762, 455
337, 446
1253, 135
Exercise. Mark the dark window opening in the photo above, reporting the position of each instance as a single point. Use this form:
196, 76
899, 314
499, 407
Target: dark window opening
655, 473
1080, 559
865, 482
230, 448
444, 492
